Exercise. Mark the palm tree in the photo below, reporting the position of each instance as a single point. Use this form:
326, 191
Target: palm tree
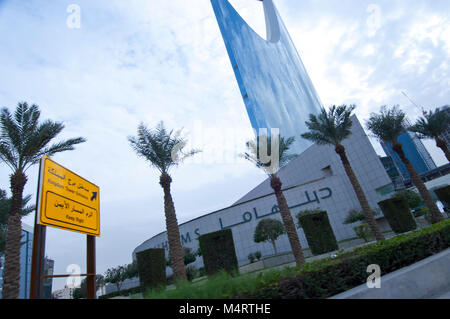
388, 125
332, 128
432, 125
271, 167
23, 141
164, 149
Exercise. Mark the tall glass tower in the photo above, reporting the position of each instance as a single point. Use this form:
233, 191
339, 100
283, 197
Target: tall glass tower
273, 81
446, 135
414, 150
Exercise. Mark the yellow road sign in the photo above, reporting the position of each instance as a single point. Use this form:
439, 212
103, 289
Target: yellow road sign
67, 200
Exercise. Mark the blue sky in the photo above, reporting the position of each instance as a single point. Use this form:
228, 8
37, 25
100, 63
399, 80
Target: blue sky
136, 60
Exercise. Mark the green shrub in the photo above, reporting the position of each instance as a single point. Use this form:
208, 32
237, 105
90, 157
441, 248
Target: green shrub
355, 215
218, 252
251, 258
398, 214
318, 231
258, 255
421, 212
191, 272
363, 231
151, 265
412, 197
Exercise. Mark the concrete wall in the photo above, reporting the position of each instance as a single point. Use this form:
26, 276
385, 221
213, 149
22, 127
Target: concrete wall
425, 279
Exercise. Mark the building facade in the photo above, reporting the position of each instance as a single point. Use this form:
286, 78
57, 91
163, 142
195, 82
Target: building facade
275, 87
392, 171
414, 150
315, 179
48, 282
25, 263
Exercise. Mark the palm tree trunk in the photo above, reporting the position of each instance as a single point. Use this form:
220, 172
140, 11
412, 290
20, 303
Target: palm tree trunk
274, 247
436, 215
173, 233
288, 222
443, 146
340, 150
11, 272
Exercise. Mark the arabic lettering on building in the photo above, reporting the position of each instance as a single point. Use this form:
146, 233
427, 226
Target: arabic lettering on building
247, 216
324, 193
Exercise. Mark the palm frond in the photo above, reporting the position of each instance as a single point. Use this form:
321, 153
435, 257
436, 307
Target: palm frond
162, 148
259, 152
67, 145
330, 127
432, 125
388, 124
10, 131
23, 140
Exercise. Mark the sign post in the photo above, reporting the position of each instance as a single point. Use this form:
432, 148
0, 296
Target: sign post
66, 201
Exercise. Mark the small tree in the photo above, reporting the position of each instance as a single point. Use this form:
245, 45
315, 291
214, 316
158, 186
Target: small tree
258, 255
268, 230
363, 230
413, 198
131, 270
116, 276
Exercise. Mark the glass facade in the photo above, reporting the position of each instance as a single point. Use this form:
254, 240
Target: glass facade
48, 282
273, 81
414, 151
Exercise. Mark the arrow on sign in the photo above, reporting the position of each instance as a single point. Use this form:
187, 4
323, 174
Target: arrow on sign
94, 196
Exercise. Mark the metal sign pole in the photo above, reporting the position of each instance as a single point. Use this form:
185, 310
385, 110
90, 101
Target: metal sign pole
37, 263
91, 285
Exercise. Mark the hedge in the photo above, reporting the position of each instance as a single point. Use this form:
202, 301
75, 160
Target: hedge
398, 214
218, 252
318, 231
151, 265
328, 277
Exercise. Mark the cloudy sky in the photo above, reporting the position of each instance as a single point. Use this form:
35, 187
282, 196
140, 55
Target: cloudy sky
126, 62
